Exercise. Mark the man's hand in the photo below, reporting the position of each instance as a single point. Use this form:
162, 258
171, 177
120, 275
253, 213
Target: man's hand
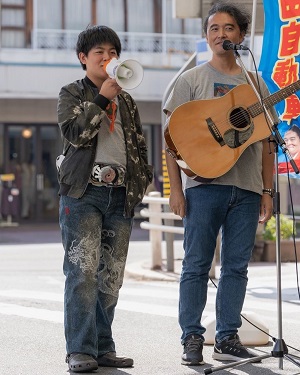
177, 203
266, 208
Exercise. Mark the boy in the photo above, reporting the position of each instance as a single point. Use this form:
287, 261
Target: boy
103, 176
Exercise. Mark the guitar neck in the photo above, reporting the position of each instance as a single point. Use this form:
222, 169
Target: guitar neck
256, 109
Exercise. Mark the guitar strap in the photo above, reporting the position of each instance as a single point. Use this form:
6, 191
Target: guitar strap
255, 83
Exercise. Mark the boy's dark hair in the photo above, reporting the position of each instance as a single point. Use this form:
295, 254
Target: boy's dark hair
241, 15
93, 36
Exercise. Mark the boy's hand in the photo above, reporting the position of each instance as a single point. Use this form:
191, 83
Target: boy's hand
110, 89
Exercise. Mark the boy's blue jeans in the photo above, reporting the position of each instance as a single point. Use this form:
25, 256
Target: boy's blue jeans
95, 237
209, 209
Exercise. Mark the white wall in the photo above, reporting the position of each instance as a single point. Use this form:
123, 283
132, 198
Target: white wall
41, 73
31, 74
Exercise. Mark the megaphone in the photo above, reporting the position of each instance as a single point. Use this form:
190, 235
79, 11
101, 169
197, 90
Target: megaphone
128, 73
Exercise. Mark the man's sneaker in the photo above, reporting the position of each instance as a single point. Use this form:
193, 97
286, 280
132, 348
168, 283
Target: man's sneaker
192, 352
232, 350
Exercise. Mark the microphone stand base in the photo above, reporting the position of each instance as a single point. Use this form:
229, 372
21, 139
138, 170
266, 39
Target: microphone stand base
280, 350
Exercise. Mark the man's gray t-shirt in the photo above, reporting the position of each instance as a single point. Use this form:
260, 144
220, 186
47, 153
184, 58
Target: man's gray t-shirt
205, 82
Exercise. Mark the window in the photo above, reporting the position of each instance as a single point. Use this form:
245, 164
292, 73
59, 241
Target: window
181, 26
113, 15
48, 14
78, 14
13, 24
140, 16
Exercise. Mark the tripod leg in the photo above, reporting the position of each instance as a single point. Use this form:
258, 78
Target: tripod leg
292, 359
235, 364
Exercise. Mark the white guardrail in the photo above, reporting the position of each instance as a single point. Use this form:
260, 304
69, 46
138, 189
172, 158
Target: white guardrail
131, 42
161, 220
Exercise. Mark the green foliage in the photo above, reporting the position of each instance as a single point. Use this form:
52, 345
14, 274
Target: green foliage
286, 228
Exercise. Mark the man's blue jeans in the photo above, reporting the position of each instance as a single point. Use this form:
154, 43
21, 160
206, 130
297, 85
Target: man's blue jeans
209, 209
95, 237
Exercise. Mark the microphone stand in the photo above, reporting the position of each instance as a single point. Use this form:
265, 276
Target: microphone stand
280, 349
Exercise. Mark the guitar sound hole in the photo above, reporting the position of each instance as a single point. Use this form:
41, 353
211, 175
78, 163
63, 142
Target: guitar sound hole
239, 118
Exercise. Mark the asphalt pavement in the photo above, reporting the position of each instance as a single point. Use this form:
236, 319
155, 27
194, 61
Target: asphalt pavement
261, 292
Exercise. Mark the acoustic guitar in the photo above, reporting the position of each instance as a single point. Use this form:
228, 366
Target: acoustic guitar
207, 137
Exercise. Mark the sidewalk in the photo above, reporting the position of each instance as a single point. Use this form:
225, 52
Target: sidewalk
139, 247
35, 232
141, 270
261, 290
139, 262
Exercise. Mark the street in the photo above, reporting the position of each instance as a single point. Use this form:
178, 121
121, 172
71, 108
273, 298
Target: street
145, 326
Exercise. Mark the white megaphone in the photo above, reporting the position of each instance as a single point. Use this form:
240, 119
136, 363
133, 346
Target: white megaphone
128, 73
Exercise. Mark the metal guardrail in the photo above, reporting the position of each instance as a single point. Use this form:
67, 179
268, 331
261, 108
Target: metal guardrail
157, 226
131, 42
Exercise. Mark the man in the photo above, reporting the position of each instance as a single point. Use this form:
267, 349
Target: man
292, 140
234, 202
103, 176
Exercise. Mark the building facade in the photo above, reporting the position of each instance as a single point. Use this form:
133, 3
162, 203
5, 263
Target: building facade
37, 57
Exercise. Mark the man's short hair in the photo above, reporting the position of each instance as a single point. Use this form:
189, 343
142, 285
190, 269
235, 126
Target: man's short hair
237, 11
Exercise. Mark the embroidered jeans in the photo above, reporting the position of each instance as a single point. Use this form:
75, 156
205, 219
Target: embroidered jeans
209, 209
95, 237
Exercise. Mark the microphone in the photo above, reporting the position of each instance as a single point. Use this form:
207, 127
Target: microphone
227, 45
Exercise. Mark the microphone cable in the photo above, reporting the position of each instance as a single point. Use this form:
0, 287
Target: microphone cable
288, 175
273, 338
293, 218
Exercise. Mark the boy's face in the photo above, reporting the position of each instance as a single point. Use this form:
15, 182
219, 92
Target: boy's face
222, 26
95, 59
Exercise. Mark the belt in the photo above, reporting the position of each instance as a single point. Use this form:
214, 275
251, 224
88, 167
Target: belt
108, 175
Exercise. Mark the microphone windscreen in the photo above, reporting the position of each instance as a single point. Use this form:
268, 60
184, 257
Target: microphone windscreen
226, 45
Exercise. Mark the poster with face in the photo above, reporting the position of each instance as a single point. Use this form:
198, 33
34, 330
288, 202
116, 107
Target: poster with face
279, 65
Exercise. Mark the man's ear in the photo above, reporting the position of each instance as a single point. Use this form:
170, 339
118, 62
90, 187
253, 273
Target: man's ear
242, 37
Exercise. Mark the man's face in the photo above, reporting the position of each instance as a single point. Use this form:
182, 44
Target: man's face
95, 59
222, 26
292, 141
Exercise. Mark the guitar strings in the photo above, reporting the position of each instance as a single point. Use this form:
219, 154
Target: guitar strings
237, 120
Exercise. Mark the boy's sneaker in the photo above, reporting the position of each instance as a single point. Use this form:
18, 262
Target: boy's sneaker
192, 352
232, 350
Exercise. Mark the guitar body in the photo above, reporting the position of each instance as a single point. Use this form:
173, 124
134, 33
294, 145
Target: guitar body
207, 137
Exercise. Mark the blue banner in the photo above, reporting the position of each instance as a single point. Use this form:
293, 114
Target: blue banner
280, 64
